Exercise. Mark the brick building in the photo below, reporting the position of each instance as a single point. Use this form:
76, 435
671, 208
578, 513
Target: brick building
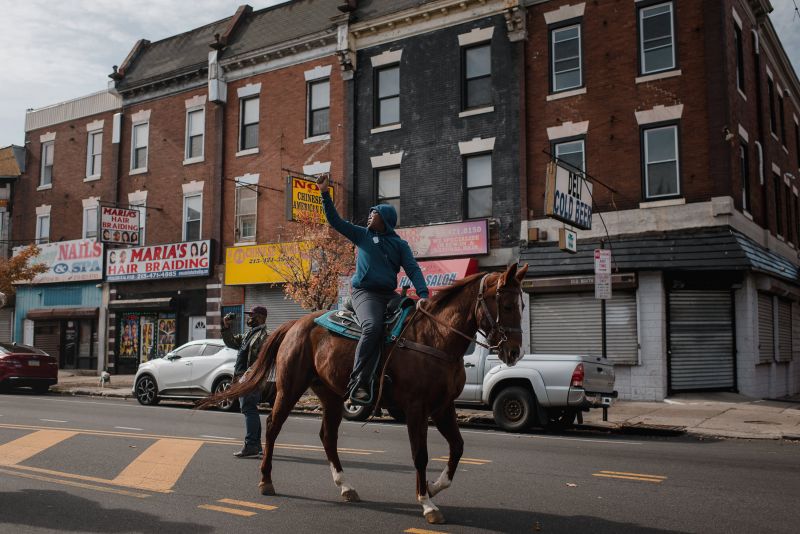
695, 155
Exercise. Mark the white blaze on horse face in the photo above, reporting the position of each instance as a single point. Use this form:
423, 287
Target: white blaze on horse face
338, 479
427, 504
443, 482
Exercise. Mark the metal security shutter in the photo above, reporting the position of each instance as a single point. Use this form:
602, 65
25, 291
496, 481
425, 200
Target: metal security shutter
784, 330
279, 308
570, 323
766, 341
701, 340
47, 337
6, 324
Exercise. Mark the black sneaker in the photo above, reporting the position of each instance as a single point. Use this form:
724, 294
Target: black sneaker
248, 453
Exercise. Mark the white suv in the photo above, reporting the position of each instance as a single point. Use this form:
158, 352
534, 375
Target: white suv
192, 371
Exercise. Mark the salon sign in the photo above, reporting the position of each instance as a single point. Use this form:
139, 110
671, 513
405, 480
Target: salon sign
176, 260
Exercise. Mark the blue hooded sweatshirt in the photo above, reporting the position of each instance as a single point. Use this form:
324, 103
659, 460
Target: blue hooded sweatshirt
380, 256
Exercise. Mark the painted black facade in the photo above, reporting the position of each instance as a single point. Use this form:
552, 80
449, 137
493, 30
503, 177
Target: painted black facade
432, 169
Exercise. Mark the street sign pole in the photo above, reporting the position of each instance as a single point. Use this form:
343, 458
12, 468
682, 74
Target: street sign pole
603, 312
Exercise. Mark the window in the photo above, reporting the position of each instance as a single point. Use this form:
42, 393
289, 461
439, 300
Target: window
94, 156
477, 76
139, 152
773, 124
46, 177
192, 217
43, 229
248, 135
388, 96
776, 202
787, 198
246, 205
662, 177
478, 186
737, 38
140, 205
566, 52
656, 38
389, 188
210, 349
90, 222
782, 118
571, 152
319, 105
744, 172
195, 133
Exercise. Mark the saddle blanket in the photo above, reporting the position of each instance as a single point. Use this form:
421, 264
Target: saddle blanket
345, 323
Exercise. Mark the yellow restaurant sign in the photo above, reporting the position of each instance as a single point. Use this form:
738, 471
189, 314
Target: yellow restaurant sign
261, 264
305, 198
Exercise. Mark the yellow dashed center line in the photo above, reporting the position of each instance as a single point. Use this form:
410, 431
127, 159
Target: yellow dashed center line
225, 509
422, 531
657, 479
467, 461
75, 484
248, 504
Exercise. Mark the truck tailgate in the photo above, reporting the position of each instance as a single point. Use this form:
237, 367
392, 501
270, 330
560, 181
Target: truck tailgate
598, 375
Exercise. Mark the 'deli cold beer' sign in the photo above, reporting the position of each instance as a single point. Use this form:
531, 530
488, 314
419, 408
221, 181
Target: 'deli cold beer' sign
568, 197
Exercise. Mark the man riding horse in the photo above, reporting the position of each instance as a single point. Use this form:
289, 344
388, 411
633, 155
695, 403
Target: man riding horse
381, 253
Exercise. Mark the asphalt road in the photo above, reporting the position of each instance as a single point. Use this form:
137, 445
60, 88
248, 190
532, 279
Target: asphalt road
70, 464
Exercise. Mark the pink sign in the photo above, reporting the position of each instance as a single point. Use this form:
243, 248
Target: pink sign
467, 238
439, 274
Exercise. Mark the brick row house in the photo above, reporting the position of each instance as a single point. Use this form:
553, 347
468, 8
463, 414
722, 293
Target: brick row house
450, 110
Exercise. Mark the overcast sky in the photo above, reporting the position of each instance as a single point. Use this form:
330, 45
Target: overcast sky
52, 51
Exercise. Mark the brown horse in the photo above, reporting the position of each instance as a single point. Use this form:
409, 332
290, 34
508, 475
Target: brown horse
424, 384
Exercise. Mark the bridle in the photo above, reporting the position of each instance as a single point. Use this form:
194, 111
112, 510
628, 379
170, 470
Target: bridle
495, 328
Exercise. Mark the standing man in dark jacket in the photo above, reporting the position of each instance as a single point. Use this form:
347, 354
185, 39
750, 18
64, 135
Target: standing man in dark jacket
248, 347
381, 253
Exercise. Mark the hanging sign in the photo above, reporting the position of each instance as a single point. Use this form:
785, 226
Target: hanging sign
178, 260
68, 261
568, 197
119, 226
305, 199
567, 240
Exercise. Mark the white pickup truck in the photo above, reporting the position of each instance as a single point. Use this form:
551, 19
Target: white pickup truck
549, 390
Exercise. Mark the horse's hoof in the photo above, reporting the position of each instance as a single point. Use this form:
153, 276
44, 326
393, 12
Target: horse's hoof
351, 495
435, 517
266, 488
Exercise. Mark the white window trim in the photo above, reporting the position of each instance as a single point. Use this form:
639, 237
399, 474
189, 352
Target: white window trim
44, 209
251, 89
318, 73
476, 36
248, 179
566, 94
202, 157
553, 59
476, 146
659, 114
193, 187
91, 203
244, 181
39, 219
240, 123
134, 124
564, 13
47, 137
743, 134
187, 196
49, 142
387, 159
736, 17
567, 129
309, 102
658, 76
677, 163
662, 203
557, 142
247, 152
760, 162
387, 128
317, 168
388, 57
89, 134
138, 199
476, 111
641, 36
317, 139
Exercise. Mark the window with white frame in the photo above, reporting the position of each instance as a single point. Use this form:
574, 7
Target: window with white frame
388, 188
139, 143
744, 173
94, 154
776, 203
195, 133
246, 212
192, 216
477, 82
773, 123
387, 96
141, 206
46, 175
319, 105
248, 119
565, 65
656, 38
782, 117
478, 186
43, 228
661, 163
90, 222
571, 152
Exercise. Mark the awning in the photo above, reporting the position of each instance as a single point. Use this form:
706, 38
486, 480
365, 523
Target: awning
707, 249
62, 313
159, 303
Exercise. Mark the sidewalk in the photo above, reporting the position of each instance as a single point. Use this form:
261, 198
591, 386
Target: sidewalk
706, 414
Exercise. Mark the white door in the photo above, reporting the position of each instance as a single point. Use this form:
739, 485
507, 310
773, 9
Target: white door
197, 327
175, 368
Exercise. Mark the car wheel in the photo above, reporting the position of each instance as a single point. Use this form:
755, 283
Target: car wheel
397, 414
560, 418
513, 409
355, 412
41, 389
230, 405
147, 391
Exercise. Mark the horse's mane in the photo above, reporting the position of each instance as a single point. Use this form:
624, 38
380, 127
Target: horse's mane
444, 296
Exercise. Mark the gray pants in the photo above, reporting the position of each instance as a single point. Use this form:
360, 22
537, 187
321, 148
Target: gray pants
370, 308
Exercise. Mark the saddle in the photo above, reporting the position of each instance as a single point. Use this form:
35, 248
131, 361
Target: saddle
345, 322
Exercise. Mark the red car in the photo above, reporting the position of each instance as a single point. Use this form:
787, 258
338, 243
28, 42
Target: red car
26, 366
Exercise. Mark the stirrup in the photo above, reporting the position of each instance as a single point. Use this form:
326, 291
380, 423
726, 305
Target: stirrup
369, 387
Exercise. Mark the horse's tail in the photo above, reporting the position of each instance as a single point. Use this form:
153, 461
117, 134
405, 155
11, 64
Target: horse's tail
257, 372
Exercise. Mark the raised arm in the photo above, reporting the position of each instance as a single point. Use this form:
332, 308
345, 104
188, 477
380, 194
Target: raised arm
411, 267
347, 229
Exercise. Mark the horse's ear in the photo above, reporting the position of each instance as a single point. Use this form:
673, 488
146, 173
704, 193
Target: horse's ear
510, 272
521, 272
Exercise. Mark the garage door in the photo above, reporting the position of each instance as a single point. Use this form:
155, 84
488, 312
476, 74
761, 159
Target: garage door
279, 309
701, 354
6, 324
47, 337
570, 323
